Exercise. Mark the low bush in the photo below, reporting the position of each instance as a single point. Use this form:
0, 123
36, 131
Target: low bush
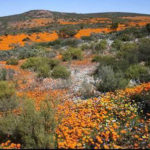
32, 128
138, 73
100, 46
6, 74
67, 32
8, 100
60, 72
12, 61
144, 50
72, 53
108, 80
117, 44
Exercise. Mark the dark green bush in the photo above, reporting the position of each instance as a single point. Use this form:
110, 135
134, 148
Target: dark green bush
148, 27
129, 53
43, 71
104, 60
117, 44
60, 72
8, 100
72, 53
138, 72
144, 50
3, 74
6, 74
100, 46
53, 63
12, 61
34, 63
110, 80
32, 128
67, 32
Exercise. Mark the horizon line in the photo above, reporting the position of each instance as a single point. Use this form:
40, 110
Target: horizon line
74, 12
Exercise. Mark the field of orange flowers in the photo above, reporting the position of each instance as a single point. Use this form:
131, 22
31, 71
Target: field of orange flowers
8, 42
107, 122
110, 121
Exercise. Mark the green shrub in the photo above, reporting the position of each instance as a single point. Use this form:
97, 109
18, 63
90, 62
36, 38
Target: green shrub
117, 44
144, 50
34, 63
27, 52
43, 71
110, 80
137, 72
3, 74
104, 60
72, 53
60, 72
67, 32
53, 63
128, 52
8, 100
70, 42
12, 61
32, 129
102, 45
148, 27
114, 25
126, 37
6, 74
43, 66
85, 47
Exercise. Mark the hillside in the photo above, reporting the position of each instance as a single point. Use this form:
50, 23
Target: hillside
75, 81
37, 25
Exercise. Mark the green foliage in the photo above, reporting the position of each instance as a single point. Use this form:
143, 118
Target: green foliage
148, 27
137, 72
67, 32
12, 61
129, 53
144, 50
43, 71
126, 37
8, 101
104, 60
85, 47
102, 45
117, 44
3, 74
53, 63
60, 72
72, 53
27, 52
109, 80
32, 128
86, 90
43, 66
114, 25
6, 74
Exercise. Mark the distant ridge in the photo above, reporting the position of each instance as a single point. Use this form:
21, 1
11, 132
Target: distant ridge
48, 13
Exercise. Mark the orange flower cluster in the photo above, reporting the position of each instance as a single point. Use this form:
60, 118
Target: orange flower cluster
89, 31
107, 122
8, 42
9, 145
137, 21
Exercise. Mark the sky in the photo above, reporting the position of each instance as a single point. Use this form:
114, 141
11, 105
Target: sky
11, 7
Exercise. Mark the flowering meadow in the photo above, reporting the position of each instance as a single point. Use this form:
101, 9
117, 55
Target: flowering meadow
107, 122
